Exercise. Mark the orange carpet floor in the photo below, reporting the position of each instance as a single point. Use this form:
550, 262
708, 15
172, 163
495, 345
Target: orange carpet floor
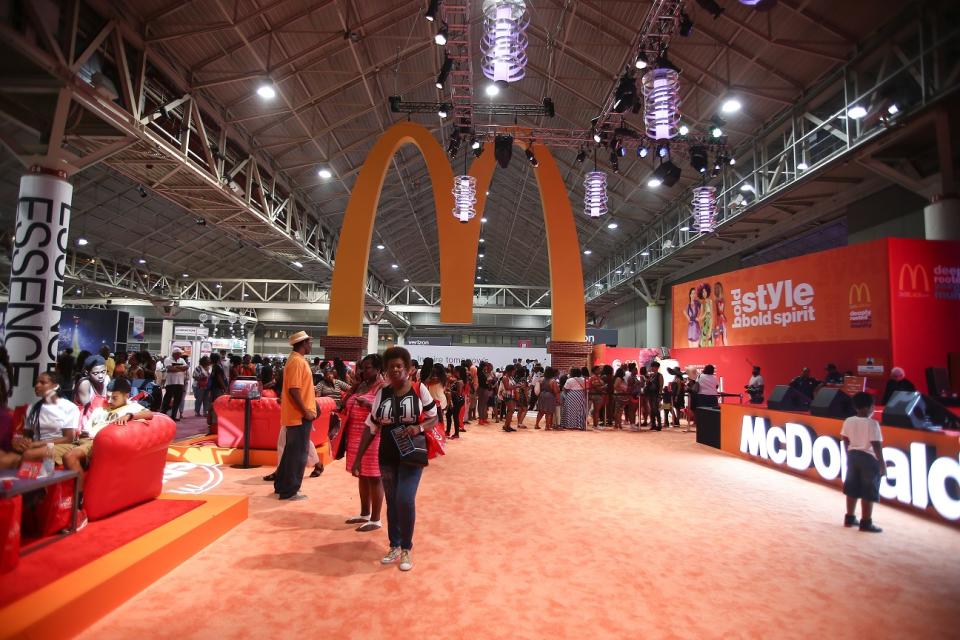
563, 535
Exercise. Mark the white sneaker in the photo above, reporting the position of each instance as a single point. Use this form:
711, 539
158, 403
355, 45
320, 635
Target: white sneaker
406, 563
392, 556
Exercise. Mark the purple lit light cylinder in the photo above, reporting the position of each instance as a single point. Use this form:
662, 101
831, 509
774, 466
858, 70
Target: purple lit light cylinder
464, 198
661, 103
595, 194
705, 209
504, 44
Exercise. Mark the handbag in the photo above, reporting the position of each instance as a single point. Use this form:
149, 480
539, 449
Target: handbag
436, 442
413, 450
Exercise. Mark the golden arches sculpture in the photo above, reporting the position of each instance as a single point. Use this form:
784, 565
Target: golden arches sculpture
458, 241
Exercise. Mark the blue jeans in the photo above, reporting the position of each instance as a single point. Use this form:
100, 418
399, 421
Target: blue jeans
201, 400
400, 483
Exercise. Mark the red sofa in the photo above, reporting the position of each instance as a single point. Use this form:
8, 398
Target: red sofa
126, 467
264, 422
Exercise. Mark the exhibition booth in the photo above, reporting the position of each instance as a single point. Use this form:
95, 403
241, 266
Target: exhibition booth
866, 308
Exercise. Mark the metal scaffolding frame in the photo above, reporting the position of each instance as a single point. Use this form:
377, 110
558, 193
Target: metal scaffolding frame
909, 65
178, 144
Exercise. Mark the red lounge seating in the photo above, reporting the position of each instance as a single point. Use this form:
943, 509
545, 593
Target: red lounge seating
126, 466
264, 422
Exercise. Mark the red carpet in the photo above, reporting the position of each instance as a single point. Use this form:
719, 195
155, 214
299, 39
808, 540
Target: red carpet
96, 540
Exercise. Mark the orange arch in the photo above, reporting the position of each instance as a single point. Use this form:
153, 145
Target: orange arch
458, 241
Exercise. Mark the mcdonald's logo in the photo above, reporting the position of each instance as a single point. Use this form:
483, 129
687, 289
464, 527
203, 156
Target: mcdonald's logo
861, 292
915, 272
458, 241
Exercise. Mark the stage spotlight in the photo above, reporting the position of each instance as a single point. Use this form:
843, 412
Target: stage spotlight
716, 132
856, 112
663, 150
643, 151
444, 70
615, 162
642, 62
441, 37
597, 137
432, 10
667, 174
200, 222
503, 150
698, 158
444, 110
141, 191
625, 94
684, 129
581, 156
686, 24
532, 159
711, 7
453, 148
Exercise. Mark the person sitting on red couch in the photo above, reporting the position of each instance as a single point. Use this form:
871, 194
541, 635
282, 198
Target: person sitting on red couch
120, 410
51, 419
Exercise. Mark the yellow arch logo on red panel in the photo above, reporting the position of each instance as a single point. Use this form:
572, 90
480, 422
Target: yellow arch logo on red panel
458, 241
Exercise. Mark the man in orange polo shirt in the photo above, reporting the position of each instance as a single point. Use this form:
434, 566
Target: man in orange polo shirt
298, 410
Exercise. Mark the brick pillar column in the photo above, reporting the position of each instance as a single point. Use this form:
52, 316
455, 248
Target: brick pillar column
565, 355
347, 348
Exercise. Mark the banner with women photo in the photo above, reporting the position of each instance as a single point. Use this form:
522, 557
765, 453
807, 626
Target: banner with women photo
836, 295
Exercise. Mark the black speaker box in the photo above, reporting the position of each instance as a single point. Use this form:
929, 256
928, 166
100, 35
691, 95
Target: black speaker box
832, 403
786, 398
905, 409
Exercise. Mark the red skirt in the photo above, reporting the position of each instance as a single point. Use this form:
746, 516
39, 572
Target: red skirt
356, 423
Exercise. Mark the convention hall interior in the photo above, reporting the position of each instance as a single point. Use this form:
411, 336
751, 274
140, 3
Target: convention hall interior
479, 318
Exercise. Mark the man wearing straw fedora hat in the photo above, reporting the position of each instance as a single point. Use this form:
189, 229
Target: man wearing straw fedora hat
298, 410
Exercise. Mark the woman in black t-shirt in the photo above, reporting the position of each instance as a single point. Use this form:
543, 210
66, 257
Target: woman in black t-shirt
403, 410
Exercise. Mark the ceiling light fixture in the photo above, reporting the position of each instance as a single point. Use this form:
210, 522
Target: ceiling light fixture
394, 266
464, 197
432, 9
441, 37
445, 69
802, 166
482, 240
686, 24
142, 261
644, 253
595, 194
504, 43
587, 252
532, 159
492, 89
856, 112
581, 156
82, 242
684, 129
266, 91
641, 62
185, 275
612, 225
297, 264
705, 208
730, 105
381, 247
661, 95
406, 279
326, 174
484, 220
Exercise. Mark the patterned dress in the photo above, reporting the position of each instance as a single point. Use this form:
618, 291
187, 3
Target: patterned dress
573, 414
356, 419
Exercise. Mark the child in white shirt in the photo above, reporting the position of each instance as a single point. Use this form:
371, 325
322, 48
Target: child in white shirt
865, 464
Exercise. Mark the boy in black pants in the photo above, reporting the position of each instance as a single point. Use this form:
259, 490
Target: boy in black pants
865, 464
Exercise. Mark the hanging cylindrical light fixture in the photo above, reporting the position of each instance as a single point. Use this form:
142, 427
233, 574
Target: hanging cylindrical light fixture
705, 209
595, 194
203, 317
464, 198
504, 44
661, 103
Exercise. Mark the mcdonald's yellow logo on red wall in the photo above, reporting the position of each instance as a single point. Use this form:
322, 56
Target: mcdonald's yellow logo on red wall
861, 292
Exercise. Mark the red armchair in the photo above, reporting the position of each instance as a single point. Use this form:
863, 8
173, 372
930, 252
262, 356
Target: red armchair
126, 466
264, 422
